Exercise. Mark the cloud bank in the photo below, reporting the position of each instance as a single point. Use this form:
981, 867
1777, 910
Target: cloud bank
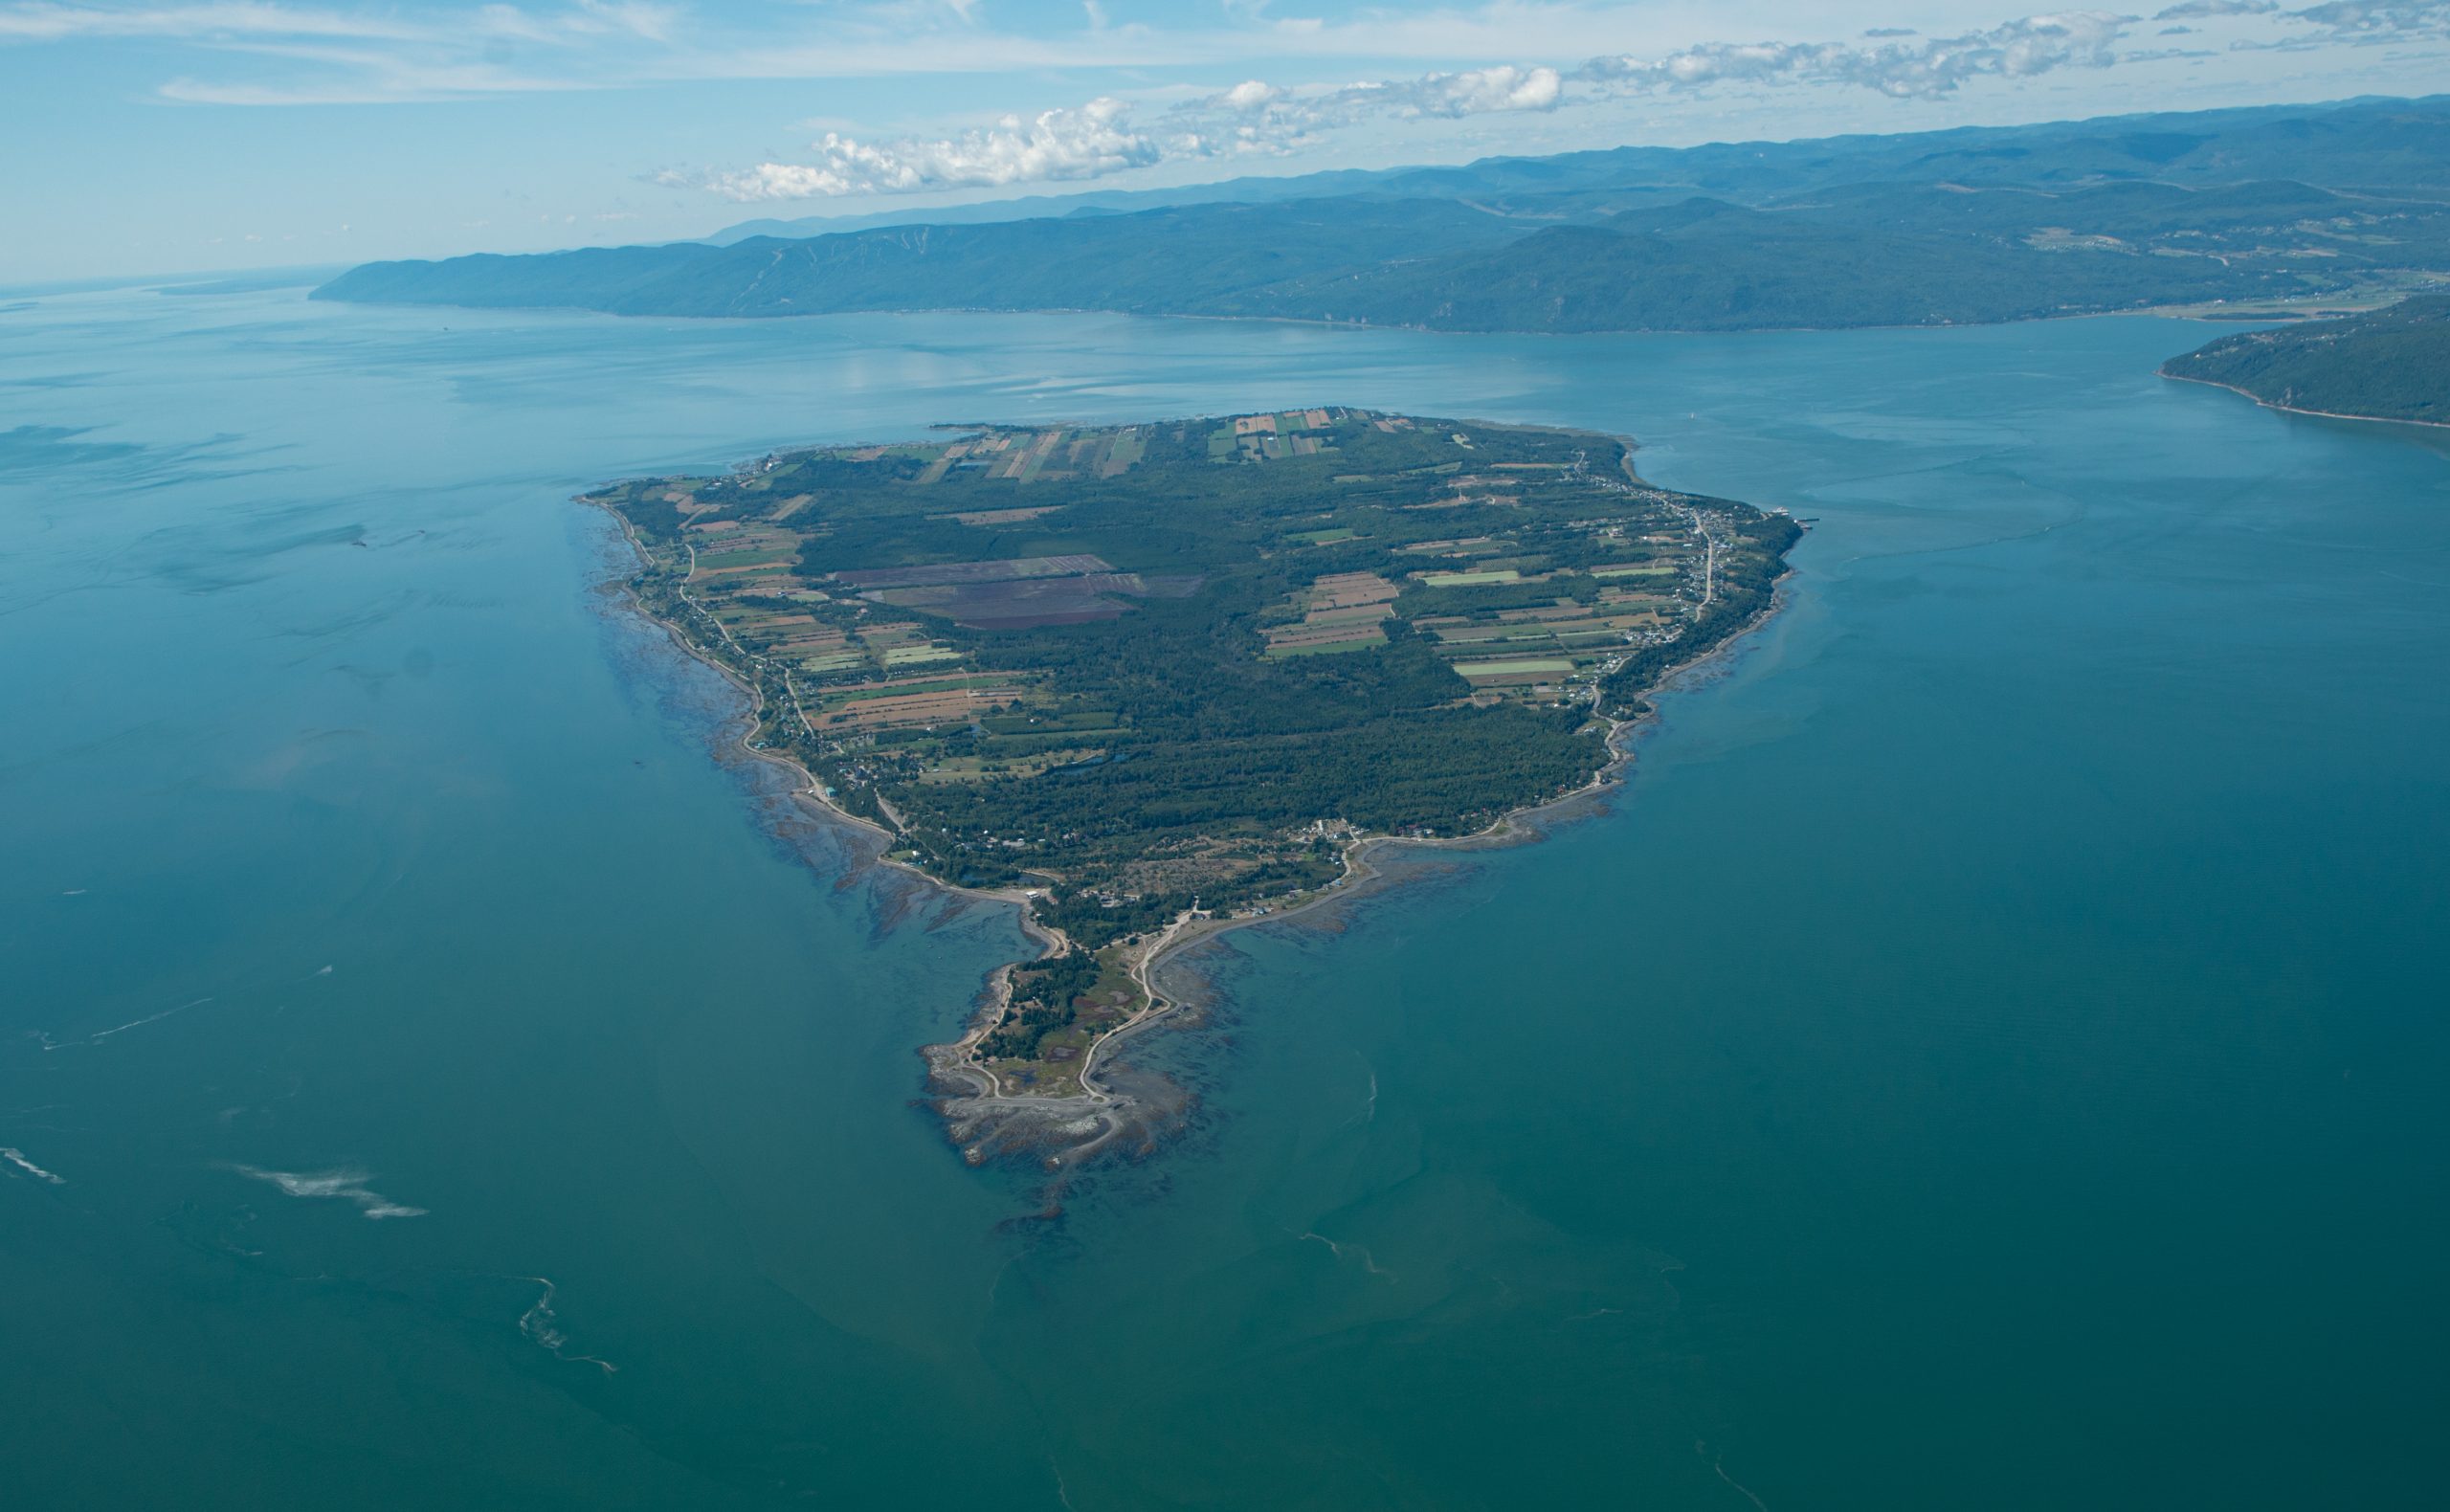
1053, 146
1107, 136
2378, 21
1923, 69
331, 52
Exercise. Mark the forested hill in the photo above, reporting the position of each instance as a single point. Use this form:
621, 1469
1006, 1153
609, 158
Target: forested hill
2390, 364
1950, 237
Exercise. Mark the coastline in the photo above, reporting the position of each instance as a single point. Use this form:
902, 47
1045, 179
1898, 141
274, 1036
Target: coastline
2351, 300
981, 1118
2290, 408
808, 791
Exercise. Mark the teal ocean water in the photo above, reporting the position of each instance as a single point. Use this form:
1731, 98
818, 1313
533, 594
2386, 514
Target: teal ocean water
1991, 1054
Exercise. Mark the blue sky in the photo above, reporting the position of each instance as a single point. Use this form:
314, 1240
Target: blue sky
162, 136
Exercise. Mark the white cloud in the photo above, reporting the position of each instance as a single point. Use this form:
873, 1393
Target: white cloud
392, 88
1104, 136
348, 57
43, 22
1260, 117
2377, 20
355, 73
585, 44
633, 18
582, 20
1090, 142
1482, 91
1924, 69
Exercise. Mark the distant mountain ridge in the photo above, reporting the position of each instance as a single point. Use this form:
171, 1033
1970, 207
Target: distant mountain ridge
2349, 143
2002, 224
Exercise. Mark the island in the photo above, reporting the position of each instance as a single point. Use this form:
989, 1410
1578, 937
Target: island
1151, 681
2392, 363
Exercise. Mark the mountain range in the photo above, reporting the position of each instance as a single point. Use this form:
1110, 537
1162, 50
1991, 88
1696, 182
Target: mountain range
1938, 228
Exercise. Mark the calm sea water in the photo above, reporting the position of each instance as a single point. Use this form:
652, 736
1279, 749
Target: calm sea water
1991, 1055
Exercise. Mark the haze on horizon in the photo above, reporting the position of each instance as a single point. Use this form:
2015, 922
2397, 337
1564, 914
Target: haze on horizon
160, 137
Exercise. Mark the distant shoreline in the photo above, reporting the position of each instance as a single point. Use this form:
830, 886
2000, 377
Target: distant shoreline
2290, 408
2173, 312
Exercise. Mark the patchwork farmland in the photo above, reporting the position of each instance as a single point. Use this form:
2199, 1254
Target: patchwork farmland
1145, 668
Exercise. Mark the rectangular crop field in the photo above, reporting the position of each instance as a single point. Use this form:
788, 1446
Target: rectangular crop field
1507, 669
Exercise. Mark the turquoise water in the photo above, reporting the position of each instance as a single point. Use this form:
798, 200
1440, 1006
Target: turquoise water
1989, 1056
